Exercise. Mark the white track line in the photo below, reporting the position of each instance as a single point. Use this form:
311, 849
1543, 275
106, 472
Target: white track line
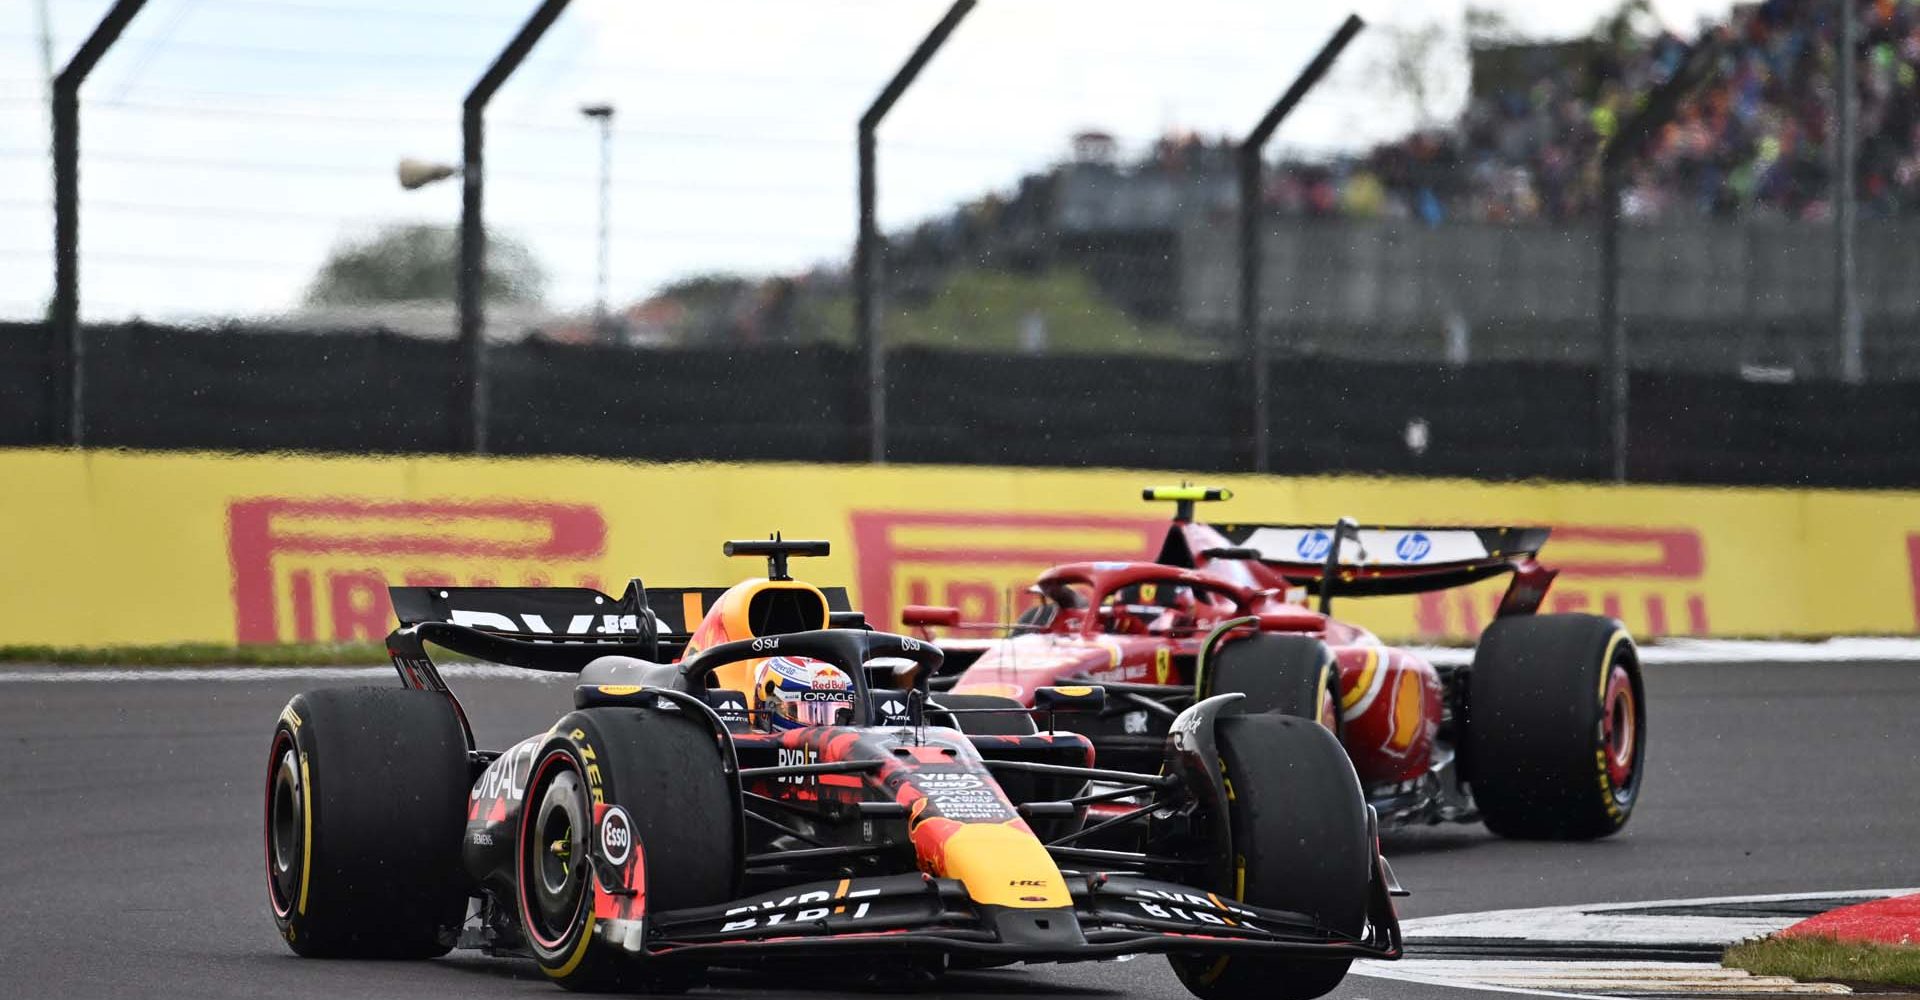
1618, 923
1855, 649
1601, 924
1591, 979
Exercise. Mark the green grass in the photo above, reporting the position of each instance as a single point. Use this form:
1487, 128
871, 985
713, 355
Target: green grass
1821, 958
980, 309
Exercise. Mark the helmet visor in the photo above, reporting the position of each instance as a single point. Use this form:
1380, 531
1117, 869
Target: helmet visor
817, 708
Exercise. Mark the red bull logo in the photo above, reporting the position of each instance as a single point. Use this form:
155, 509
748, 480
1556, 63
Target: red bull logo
310, 570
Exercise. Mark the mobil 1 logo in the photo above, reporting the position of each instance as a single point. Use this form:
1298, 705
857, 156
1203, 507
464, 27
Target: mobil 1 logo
963, 796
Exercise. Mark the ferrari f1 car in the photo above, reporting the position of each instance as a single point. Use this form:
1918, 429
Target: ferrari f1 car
1542, 736
776, 783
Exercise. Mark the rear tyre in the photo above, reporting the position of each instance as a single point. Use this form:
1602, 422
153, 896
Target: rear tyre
1293, 675
366, 802
981, 723
1555, 727
665, 769
1299, 826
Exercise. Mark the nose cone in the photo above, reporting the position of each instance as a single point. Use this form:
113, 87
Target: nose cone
1002, 864
1013, 881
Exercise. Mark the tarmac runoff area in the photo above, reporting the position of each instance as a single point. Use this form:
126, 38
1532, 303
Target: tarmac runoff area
130, 858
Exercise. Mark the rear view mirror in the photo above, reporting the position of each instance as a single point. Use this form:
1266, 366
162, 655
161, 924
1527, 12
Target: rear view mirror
929, 614
1079, 698
1289, 621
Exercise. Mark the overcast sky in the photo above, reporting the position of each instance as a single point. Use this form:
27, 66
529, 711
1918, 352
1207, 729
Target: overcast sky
228, 144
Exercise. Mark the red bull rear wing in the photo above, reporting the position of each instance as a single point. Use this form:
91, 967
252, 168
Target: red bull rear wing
666, 615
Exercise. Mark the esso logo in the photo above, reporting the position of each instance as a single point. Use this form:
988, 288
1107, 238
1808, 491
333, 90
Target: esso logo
1413, 546
616, 835
1314, 545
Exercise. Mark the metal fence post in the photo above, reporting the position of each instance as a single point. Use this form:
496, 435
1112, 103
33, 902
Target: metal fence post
471, 279
1253, 344
1846, 306
865, 329
1620, 153
1613, 328
68, 349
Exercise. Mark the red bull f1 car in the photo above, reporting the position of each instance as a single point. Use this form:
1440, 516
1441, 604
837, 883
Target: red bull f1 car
775, 781
1542, 736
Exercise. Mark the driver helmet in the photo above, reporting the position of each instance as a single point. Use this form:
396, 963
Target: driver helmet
796, 692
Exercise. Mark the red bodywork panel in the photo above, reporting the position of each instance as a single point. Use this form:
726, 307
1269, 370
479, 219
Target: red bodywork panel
1391, 699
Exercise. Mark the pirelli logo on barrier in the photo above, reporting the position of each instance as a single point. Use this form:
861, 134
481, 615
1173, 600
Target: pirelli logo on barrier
310, 570
979, 562
1654, 579
277, 548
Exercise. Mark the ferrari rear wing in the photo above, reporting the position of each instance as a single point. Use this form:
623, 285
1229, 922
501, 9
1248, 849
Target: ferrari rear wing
1401, 559
1349, 560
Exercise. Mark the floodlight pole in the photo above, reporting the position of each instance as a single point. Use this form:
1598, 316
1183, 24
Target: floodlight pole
1253, 345
603, 115
68, 349
471, 279
1620, 154
864, 326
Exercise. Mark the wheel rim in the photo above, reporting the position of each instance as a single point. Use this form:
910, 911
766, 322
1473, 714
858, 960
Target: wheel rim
286, 807
553, 858
1619, 729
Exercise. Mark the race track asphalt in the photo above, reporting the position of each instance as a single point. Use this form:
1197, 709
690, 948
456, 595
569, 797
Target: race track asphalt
130, 834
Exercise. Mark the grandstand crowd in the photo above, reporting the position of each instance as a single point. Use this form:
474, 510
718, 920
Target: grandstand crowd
1753, 140
1754, 137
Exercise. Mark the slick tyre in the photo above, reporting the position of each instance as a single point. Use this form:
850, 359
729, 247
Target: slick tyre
1300, 843
1556, 727
1289, 674
666, 770
981, 723
366, 798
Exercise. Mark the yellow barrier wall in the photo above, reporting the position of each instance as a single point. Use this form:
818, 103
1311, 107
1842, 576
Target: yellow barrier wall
122, 548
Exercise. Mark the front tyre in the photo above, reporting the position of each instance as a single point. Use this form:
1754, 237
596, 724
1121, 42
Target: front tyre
1555, 727
666, 770
366, 798
1293, 675
1300, 843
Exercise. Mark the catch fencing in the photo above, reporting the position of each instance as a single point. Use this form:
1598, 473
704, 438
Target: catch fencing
242, 390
